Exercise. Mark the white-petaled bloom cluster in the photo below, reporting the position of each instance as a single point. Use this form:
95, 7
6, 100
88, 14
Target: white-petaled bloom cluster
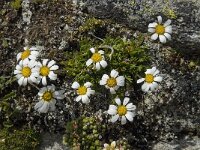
122, 111
46, 69
112, 146
84, 92
97, 59
48, 96
112, 82
150, 80
26, 72
28, 53
161, 31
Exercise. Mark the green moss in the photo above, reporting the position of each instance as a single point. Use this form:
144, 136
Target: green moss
91, 25
129, 58
16, 4
26, 139
83, 133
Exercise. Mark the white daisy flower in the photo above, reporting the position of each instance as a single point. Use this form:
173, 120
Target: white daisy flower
113, 82
122, 111
26, 72
83, 92
112, 146
28, 53
150, 80
46, 69
48, 96
163, 31
97, 59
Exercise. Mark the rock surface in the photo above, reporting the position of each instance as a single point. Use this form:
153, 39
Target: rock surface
137, 14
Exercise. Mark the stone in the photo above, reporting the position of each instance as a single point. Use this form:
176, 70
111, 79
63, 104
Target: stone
137, 14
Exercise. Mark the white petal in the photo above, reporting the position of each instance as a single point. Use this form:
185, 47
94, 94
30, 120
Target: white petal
18, 67
118, 101
153, 86
44, 80
60, 94
25, 62
38, 104
162, 39
25, 81
168, 36
152, 70
113, 107
167, 23
103, 63
89, 62
19, 56
145, 87
20, 81
102, 82
129, 117
85, 99
112, 111
88, 84
92, 50
52, 107
90, 92
120, 80
32, 57
114, 73
17, 72
44, 62
156, 72
54, 67
152, 30
78, 98
101, 52
26, 48
75, 85
52, 75
152, 25
33, 79
168, 29
112, 91
44, 108
36, 53
154, 36
126, 100
140, 80
159, 19
158, 79
18, 76
98, 66
51, 63
33, 48
114, 118
123, 120
131, 107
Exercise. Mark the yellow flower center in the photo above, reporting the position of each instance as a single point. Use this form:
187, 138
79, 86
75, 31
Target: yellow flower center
44, 71
121, 110
149, 78
25, 54
82, 90
160, 29
111, 82
47, 96
26, 72
96, 57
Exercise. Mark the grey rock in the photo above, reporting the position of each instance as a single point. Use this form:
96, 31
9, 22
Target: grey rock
137, 14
